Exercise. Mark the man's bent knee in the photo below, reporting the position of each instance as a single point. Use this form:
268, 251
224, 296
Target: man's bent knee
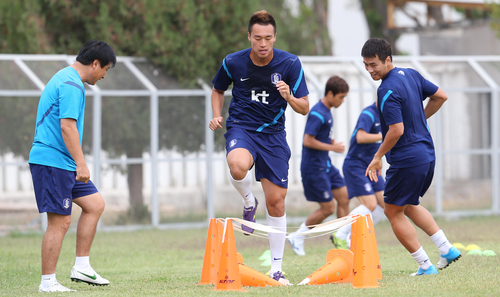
239, 161
57, 221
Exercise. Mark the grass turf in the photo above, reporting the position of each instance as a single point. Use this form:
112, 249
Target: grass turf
169, 263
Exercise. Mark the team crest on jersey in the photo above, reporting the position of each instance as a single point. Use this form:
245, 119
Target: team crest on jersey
232, 143
66, 203
275, 78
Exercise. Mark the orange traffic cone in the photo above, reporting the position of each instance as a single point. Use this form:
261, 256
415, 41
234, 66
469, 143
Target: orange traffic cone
365, 275
337, 270
229, 277
373, 240
252, 278
212, 254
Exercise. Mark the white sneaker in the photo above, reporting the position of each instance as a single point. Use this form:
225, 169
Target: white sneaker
54, 287
88, 276
297, 245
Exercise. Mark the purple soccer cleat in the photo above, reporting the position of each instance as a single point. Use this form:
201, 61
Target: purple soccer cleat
249, 215
278, 276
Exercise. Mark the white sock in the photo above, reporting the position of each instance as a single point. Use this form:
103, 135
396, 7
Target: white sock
82, 263
422, 259
303, 228
378, 214
244, 187
344, 231
441, 242
48, 279
276, 242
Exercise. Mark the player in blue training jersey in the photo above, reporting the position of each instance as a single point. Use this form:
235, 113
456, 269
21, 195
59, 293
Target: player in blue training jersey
321, 180
365, 141
58, 168
265, 80
408, 147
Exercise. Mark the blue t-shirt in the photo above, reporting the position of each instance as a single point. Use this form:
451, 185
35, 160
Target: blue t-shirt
319, 124
368, 121
62, 98
400, 98
256, 104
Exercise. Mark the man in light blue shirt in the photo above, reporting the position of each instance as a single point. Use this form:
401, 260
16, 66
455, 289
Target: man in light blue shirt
58, 168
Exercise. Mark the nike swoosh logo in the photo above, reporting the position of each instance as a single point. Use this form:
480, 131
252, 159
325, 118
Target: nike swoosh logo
377, 124
283, 180
277, 259
243, 79
94, 277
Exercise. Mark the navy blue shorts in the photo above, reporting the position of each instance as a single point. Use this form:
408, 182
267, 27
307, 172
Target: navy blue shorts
357, 183
270, 153
56, 188
406, 185
318, 185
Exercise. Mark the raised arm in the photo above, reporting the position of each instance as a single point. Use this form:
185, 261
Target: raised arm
299, 105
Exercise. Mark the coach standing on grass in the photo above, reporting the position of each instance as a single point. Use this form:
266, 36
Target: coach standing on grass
60, 174
408, 147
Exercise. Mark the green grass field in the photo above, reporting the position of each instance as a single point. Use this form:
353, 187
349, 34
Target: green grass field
169, 263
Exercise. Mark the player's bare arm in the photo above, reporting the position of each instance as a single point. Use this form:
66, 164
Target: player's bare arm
299, 105
435, 102
364, 137
71, 139
311, 142
217, 103
391, 138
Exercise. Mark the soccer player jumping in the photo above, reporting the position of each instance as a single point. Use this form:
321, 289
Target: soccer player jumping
408, 147
265, 80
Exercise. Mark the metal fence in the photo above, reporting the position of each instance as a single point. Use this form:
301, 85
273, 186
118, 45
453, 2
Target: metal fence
184, 184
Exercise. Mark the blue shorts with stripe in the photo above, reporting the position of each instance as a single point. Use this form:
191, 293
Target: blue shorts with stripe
406, 185
56, 188
357, 183
318, 185
270, 153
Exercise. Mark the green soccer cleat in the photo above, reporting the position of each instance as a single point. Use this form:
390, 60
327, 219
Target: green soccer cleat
337, 242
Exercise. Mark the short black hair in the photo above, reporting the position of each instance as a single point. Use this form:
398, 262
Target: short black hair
96, 50
337, 85
262, 18
377, 47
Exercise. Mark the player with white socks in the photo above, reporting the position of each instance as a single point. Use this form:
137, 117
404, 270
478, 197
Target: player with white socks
322, 182
408, 147
265, 81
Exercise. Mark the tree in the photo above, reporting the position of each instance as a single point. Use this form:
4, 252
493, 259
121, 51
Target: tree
376, 16
184, 39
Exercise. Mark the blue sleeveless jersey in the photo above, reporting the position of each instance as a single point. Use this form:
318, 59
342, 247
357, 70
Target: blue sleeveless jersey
256, 104
400, 99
